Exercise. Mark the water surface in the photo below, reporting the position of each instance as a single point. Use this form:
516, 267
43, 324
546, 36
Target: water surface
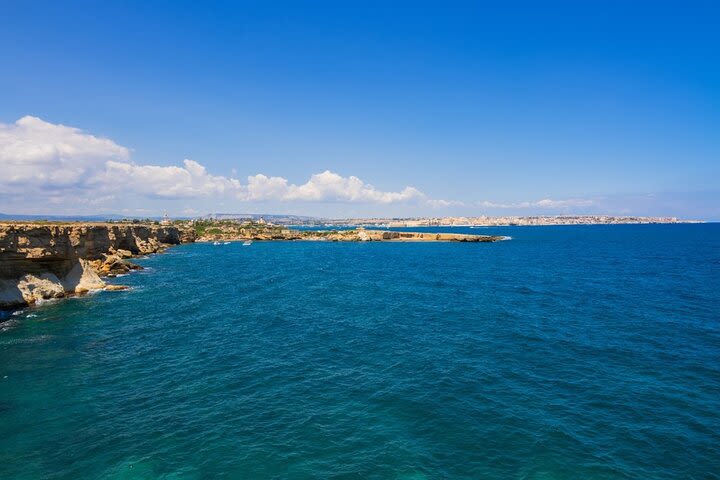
569, 352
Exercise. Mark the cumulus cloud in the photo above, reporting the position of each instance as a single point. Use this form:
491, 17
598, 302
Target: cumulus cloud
38, 153
42, 163
53, 161
325, 186
190, 180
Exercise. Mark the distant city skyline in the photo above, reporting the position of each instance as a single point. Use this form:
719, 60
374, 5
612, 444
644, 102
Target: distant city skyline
337, 109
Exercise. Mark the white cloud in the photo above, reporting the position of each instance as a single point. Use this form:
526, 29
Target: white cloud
573, 202
325, 186
38, 153
50, 162
546, 203
190, 180
52, 169
445, 203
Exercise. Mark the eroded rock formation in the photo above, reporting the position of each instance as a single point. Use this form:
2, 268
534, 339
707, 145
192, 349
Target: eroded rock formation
51, 261
42, 261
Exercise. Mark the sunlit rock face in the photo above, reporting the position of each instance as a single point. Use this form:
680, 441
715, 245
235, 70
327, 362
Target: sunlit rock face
40, 262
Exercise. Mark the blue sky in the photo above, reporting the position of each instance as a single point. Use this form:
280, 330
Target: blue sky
478, 109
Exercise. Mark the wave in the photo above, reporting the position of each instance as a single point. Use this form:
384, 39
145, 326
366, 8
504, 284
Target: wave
28, 340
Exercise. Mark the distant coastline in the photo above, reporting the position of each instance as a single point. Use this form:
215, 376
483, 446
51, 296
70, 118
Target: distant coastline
507, 221
43, 260
383, 222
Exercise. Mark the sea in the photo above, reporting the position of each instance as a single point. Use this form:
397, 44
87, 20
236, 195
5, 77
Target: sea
566, 352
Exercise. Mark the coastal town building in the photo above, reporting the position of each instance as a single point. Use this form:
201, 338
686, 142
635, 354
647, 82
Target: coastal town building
486, 221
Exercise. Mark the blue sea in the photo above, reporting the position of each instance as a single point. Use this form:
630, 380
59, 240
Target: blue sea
576, 352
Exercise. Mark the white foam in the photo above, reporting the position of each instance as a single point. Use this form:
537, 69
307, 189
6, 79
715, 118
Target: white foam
45, 301
6, 325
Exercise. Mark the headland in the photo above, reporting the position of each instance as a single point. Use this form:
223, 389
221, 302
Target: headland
44, 260
230, 230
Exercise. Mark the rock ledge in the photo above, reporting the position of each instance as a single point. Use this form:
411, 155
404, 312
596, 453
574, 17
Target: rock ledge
42, 261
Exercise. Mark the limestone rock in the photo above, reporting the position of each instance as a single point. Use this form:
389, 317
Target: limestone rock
39, 261
82, 278
42, 287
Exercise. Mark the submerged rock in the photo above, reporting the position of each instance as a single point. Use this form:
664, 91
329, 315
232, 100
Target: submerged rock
116, 288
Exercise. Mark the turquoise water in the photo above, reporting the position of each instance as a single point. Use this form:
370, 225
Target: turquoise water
566, 353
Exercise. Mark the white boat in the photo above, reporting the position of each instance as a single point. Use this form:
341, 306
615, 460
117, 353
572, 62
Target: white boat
247, 243
217, 243
226, 243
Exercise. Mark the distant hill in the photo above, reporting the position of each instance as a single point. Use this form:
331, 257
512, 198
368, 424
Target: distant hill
61, 218
274, 218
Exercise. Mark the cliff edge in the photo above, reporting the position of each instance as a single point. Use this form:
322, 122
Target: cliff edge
40, 261
43, 260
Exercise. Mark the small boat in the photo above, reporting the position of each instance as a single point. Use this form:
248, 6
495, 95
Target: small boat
226, 243
247, 243
217, 243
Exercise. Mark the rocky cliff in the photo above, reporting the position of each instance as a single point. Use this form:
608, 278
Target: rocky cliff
41, 261
49, 261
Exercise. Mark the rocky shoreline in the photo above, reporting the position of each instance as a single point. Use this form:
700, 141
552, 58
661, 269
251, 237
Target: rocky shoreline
359, 235
41, 261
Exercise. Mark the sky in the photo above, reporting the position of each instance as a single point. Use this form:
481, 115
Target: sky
368, 108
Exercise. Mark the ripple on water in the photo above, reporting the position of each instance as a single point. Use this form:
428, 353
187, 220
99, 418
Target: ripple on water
564, 353
26, 340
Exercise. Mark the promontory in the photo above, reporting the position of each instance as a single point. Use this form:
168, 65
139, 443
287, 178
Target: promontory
44, 260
